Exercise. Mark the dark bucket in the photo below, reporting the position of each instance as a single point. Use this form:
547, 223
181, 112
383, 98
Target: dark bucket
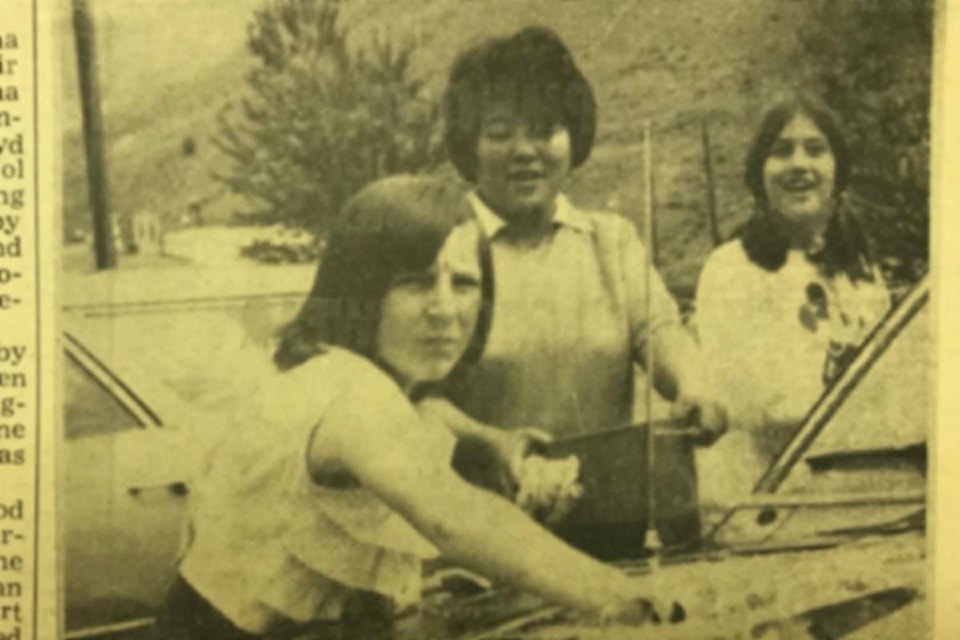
611, 519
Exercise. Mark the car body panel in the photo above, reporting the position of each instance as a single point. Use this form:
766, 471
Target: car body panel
150, 378
831, 544
117, 546
834, 534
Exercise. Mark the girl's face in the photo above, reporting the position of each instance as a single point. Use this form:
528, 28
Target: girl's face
428, 317
521, 167
798, 175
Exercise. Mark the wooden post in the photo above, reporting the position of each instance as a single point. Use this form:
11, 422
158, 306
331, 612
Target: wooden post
711, 186
104, 249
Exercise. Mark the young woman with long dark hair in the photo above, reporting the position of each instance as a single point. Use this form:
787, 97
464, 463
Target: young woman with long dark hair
313, 514
783, 306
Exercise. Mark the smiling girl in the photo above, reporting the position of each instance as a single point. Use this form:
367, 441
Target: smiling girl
577, 306
783, 306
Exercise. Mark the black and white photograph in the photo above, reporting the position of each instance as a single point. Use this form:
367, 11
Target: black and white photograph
496, 319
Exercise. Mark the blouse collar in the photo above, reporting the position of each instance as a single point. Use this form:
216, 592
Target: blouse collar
565, 215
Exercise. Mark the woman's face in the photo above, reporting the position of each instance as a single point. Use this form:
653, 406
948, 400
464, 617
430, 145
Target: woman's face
798, 175
428, 317
520, 167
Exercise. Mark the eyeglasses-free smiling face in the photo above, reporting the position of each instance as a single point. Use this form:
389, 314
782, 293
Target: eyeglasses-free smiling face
799, 173
428, 317
521, 166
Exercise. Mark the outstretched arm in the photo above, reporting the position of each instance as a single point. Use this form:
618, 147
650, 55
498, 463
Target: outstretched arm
658, 335
385, 444
507, 447
678, 375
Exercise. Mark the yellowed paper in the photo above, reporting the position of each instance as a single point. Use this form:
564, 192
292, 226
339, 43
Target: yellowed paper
105, 374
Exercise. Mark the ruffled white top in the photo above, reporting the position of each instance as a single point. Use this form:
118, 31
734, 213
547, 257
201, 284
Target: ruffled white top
264, 541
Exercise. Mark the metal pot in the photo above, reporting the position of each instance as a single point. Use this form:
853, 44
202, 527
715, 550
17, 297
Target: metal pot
612, 517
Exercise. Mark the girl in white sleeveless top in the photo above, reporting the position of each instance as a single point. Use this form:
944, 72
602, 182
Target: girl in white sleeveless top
316, 509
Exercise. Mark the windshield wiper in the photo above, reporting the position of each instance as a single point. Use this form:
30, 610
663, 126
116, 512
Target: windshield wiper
913, 456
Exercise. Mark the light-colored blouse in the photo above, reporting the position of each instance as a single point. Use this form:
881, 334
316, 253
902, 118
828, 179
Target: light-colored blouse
265, 541
569, 320
767, 338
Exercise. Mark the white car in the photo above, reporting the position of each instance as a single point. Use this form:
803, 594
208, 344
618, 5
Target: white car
831, 544
152, 362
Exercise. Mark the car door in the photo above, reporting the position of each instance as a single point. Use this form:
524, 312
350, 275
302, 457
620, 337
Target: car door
124, 491
147, 389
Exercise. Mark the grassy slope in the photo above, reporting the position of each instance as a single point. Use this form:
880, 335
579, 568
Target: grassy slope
168, 66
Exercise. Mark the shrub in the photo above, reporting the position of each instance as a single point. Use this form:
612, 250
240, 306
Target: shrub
321, 119
872, 61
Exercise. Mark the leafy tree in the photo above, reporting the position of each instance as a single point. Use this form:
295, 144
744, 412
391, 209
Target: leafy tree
321, 119
872, 62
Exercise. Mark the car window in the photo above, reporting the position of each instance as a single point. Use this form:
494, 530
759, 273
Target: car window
876, 441
90, 409
209, 356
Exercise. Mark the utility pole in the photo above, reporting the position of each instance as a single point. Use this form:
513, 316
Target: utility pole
104, 249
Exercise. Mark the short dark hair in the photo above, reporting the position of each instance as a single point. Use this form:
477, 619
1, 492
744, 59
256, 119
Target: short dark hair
532, 68
393, 225
763, 238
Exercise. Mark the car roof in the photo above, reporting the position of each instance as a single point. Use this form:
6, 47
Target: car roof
118, 288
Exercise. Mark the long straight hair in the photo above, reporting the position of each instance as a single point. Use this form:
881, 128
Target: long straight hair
394, 225
764, 237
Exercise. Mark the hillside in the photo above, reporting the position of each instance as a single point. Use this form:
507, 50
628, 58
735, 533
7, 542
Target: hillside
168, 67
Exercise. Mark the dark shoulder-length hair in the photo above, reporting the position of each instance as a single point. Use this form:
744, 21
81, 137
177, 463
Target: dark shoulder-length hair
395, 225
532, 69
764, 237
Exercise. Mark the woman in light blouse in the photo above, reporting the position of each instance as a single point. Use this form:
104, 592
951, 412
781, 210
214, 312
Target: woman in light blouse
783, 307
311, 516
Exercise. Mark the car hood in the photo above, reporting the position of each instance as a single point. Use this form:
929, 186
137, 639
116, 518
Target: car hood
813, 553
726, 595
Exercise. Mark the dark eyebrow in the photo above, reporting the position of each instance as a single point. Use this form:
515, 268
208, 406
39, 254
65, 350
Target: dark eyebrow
413, 275
466, 276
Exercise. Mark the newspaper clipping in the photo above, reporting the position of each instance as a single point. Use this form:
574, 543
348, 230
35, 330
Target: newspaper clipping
19, 315
477, 319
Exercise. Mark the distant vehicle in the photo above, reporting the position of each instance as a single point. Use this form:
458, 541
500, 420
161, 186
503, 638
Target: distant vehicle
831, 544
75, 235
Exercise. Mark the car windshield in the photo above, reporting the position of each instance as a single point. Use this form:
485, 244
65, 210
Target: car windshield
868, 433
